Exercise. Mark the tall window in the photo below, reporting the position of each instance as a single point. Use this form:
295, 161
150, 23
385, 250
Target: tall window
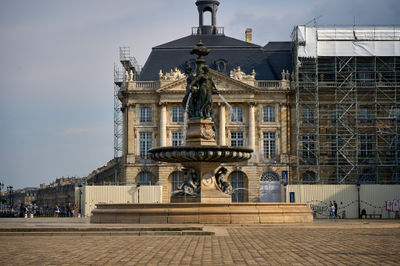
309, 177
308, 115
176, 180
395, 113
238, 186
177, 138
269, 114
336, 114
237, 114
177, 114
365, 115
365, 76
145, 143
337, 144
308, 145
269, 144
145, 178
236, 138
145, 114
366, 145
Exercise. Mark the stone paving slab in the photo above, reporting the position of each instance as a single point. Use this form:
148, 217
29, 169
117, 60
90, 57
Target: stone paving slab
325, 242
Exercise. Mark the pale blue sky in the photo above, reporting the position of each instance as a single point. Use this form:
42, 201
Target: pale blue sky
57, 57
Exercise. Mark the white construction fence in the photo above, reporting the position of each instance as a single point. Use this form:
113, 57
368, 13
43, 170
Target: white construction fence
378, 201
89, 196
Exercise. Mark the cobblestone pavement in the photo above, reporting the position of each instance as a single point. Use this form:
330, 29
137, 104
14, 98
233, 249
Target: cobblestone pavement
252, 245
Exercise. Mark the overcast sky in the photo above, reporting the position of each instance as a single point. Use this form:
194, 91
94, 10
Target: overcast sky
57, 57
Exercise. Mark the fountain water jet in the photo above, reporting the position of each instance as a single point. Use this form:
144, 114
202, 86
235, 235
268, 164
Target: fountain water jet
185, 118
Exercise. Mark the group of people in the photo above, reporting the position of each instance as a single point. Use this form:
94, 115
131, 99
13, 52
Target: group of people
333, 208
69, 210
29, 210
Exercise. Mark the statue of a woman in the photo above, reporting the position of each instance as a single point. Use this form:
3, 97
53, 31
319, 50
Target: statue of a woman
188, 99
202, 88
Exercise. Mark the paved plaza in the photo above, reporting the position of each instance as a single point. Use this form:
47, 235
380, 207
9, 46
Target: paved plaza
325, 242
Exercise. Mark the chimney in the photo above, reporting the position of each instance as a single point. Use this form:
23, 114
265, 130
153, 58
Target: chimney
249, 35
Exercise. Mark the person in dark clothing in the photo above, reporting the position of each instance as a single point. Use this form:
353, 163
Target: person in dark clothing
22, 210
363, 213
335, 204
70, 209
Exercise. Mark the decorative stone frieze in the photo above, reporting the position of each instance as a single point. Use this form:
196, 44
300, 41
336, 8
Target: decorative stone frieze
173, 75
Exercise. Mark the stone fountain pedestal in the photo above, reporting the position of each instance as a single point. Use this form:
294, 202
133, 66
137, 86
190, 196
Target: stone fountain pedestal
209, 190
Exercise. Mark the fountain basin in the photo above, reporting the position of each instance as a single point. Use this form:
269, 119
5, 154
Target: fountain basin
202, 213
206, 153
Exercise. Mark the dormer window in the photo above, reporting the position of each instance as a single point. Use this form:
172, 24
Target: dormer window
221, 65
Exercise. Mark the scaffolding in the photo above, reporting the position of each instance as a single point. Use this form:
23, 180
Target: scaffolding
347, 112
129, 72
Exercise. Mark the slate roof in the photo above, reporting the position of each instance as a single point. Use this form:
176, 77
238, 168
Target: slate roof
279, 56
267, 63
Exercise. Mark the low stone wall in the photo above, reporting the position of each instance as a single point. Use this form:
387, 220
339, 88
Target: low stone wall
202, 213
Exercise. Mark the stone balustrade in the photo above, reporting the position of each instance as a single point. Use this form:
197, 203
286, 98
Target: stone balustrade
273, 84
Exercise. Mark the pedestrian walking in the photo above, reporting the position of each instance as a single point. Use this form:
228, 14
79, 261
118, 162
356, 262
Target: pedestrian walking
333, 216
22, 211
70, 209
336, 208
56, 211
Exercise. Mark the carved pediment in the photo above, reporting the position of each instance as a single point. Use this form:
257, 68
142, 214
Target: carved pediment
222, 82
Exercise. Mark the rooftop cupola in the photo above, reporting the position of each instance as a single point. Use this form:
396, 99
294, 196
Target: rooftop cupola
207, 6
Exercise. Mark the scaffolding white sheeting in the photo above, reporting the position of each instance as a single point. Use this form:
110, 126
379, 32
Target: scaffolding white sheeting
313, 42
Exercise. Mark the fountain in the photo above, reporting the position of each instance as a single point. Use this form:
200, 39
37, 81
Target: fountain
201, 156
205, 195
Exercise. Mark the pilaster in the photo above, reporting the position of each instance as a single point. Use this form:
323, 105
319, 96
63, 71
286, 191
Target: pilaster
252, 130
163, 125
222, 125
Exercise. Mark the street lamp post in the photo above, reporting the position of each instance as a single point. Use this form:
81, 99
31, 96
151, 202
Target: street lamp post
10, 191
1, 190
359, 203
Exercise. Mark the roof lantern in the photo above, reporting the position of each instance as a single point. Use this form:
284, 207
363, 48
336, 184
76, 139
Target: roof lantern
207, 6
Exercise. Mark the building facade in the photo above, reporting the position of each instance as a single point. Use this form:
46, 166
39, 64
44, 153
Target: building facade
321, 109
347, 105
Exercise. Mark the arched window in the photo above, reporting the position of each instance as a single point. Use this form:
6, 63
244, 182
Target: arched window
239, 186
207, 17
145, 178
309, 177
270, 187
176, 180
270, 176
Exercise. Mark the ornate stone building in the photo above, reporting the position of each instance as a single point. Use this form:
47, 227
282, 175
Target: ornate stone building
255, 85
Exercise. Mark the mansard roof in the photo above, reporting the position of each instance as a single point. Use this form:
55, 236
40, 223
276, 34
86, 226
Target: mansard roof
232, 52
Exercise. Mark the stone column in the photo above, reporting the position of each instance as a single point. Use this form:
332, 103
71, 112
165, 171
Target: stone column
252, 128
163, 125
222, 124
